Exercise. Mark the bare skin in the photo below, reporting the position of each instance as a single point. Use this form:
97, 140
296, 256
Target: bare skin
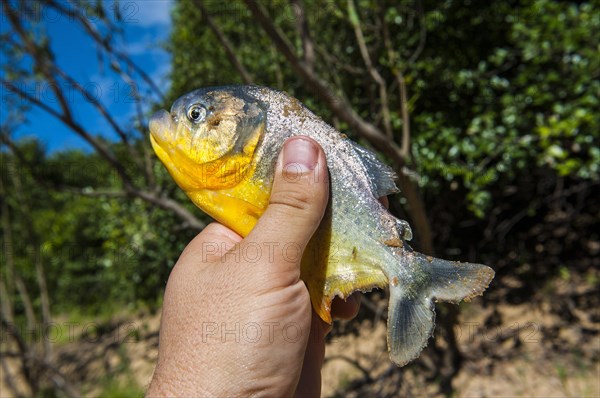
237, 318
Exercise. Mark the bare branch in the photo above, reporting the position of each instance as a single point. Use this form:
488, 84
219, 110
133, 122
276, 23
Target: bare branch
77, 128
333, 60
28, 356
148, 169
340, 108
114, 56
393, 58
11, 272
278, 70
6, 306
405, 148
66, 117
34, 242
375, 75
166, 203
336, 104
23, 349
94, 101
366, 372
41, 61
46, 67
152, 197
104, 112
104, 43
142, 124
169, 204
422, 34
94, 193
246, 77
273, 31
7, 371
308, 47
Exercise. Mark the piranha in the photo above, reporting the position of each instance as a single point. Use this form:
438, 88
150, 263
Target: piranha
220, 144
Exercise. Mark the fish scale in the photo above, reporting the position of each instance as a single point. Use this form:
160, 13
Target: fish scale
358, 246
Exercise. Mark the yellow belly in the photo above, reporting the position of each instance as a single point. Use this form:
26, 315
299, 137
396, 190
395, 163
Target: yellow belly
226, 207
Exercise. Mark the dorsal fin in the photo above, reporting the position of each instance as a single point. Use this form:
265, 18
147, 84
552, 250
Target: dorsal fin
382, 176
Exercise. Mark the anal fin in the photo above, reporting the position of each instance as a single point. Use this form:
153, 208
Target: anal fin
410, 325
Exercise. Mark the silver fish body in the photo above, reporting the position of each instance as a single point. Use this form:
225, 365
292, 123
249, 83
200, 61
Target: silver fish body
359, 244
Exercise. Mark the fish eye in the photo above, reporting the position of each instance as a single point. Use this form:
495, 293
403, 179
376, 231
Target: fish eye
196, 113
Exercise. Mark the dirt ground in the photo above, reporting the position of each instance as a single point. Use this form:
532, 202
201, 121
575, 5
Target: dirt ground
525, 349
511, 359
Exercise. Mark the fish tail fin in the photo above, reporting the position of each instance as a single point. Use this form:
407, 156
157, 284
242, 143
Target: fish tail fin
418, 280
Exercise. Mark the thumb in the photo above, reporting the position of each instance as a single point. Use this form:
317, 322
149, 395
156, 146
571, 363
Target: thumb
298, 200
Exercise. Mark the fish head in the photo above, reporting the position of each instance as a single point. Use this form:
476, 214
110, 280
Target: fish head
209, 139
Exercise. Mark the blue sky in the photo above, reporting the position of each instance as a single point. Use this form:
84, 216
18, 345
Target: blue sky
146, 25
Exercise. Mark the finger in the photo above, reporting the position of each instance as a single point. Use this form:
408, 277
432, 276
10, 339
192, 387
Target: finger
309, 384
346, 309
298, 199
385, 202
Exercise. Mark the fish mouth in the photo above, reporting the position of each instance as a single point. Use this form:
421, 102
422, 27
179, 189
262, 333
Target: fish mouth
162, 127
163, 131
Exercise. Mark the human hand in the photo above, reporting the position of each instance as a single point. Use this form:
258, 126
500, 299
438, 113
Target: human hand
237, 319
